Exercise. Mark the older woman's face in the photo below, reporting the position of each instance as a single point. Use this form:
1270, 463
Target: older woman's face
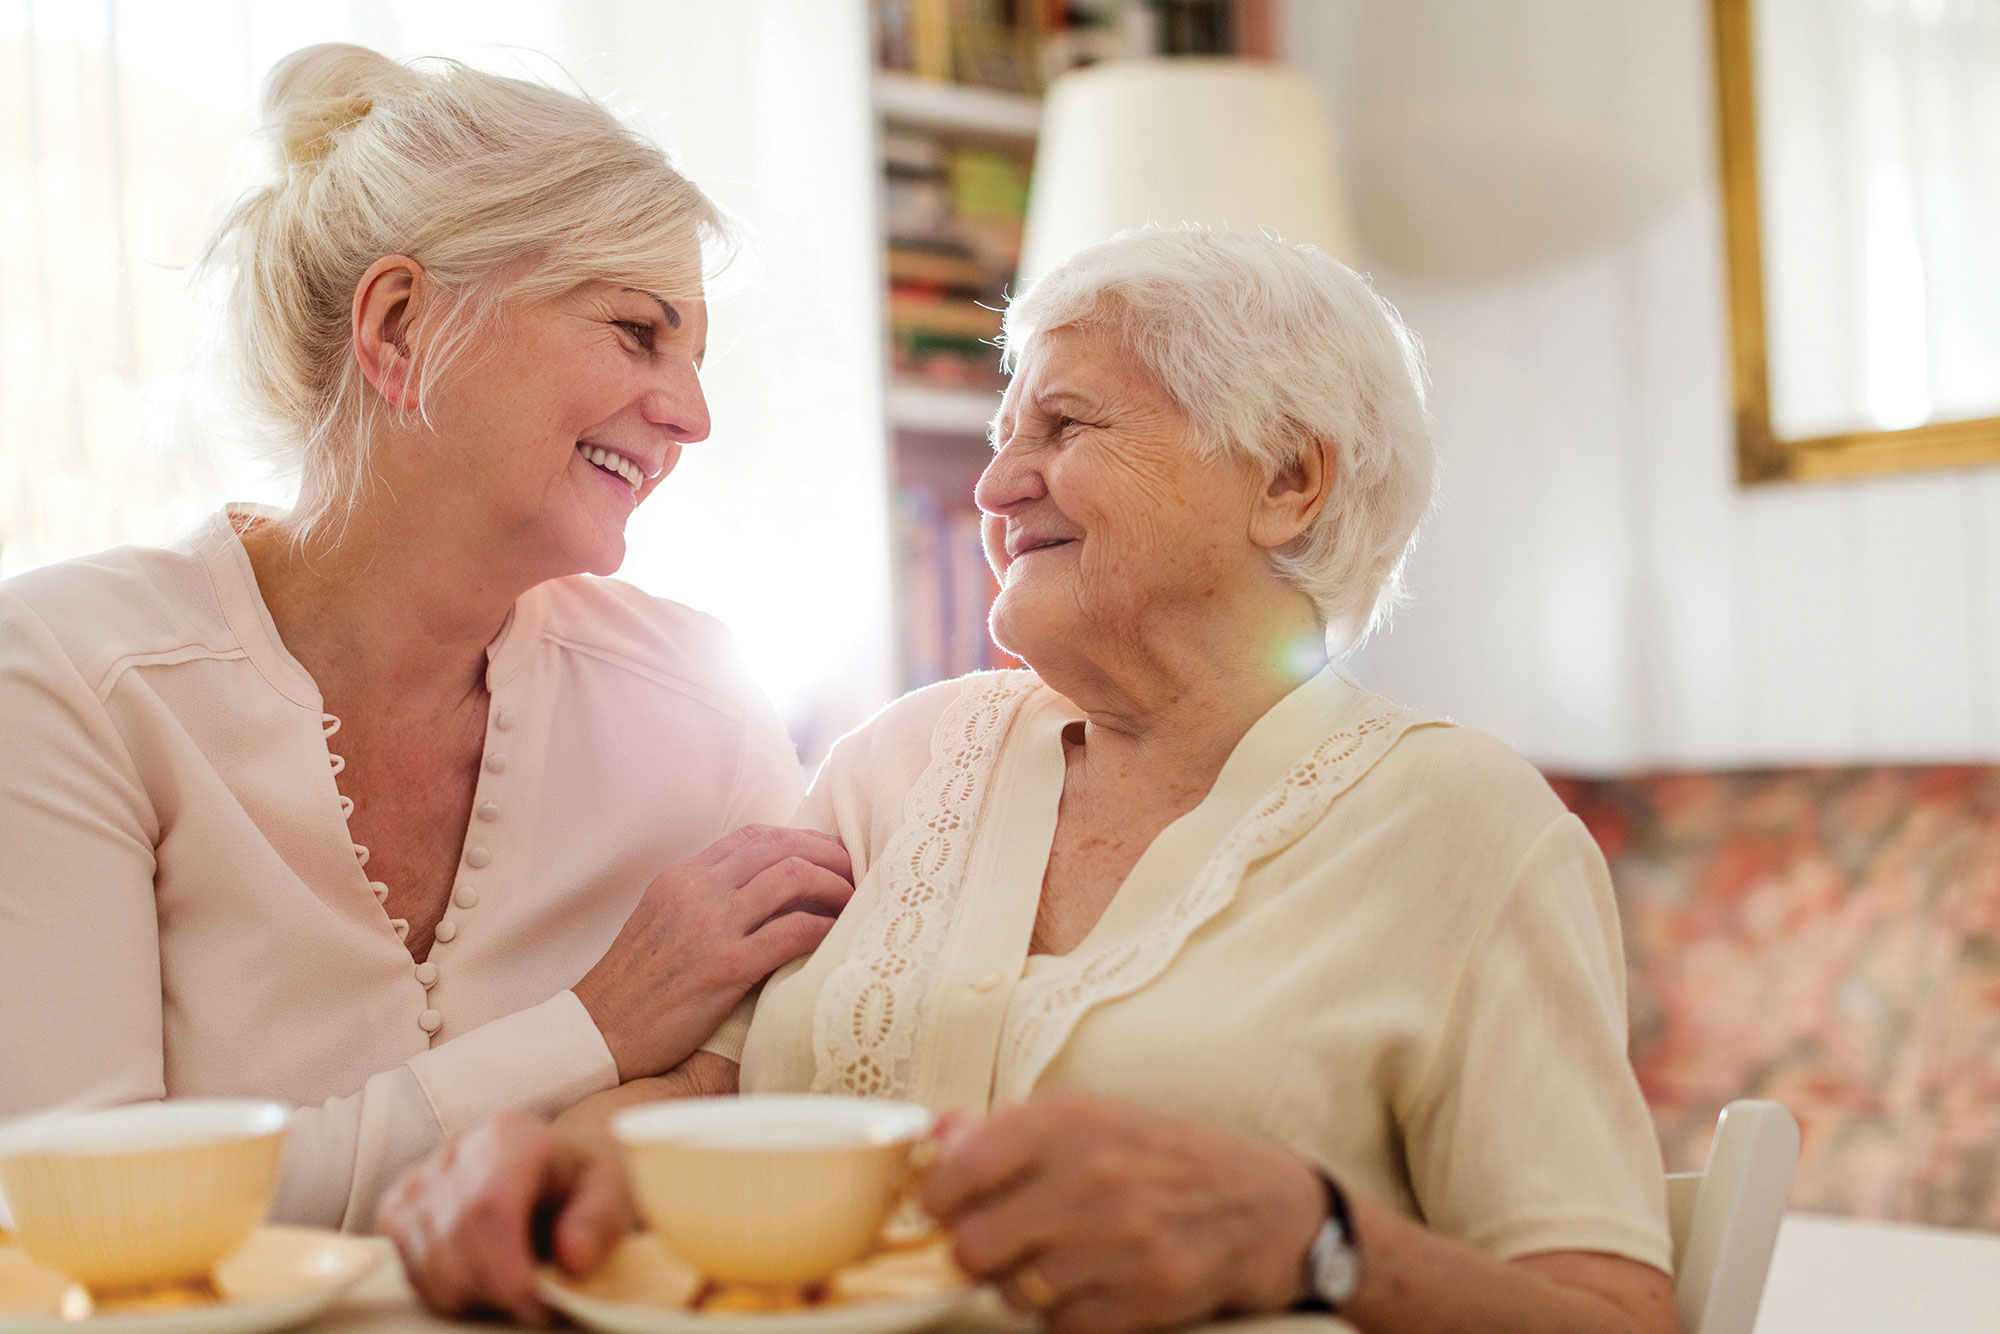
578, 411
1100, 518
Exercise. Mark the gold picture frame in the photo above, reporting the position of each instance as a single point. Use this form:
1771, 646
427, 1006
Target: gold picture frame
1761, 455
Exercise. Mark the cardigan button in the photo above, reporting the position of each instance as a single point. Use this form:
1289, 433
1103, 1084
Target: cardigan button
446, 930
987, 983
465, 896
488, 811
496, 763
477, 858
427, 974
430, 1021
504, 721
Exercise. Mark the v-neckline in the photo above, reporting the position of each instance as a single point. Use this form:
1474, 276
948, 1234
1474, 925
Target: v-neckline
233, 579
1186, 842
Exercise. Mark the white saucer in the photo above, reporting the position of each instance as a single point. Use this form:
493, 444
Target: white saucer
280, 1277
644, 1289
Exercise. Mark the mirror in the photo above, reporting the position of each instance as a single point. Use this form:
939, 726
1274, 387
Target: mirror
1861, 195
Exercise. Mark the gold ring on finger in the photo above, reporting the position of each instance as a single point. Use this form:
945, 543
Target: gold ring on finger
1035, 1292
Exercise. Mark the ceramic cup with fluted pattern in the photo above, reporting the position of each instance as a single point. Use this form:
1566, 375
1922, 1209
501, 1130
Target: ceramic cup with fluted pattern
147, 1196
768, 1188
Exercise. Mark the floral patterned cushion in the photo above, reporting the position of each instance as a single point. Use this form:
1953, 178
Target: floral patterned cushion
1829, 938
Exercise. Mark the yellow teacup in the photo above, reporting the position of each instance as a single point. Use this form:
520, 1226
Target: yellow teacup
768, 1188
140, 1197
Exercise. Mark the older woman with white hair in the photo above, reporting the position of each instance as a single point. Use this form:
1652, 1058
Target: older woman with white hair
375, 806
1274, 993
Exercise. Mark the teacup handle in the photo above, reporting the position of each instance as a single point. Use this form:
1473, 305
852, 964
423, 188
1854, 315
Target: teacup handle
903, 1199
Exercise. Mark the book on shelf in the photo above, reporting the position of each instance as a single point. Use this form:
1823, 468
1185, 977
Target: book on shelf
948, 590
950, 267
954, 213
1016, 45
947, 361
965, 199
920, 310
993, 43
921, 574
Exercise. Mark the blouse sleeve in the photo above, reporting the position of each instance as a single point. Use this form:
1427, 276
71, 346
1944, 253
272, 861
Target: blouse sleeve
1528, 1131
79, 933
341, 1155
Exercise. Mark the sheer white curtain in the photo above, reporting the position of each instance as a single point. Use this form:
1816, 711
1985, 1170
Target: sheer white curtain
120, 131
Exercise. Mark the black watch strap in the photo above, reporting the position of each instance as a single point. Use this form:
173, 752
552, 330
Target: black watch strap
1337, 1234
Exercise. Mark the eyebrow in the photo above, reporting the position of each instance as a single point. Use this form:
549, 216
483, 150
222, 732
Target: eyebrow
1061, 395
673, 316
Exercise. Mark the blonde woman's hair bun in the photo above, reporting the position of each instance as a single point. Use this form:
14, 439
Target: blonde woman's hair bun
316, 92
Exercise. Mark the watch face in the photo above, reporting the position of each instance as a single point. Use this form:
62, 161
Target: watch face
1336, 1267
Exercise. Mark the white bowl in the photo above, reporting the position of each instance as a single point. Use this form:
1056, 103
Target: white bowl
145, 1196
766, 1188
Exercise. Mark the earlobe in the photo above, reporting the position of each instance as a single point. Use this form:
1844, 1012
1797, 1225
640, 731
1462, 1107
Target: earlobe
385, 309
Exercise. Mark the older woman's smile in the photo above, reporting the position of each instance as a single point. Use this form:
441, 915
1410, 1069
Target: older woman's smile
1023, 543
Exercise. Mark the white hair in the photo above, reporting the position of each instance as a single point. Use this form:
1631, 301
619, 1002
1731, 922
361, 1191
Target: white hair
1269, 348
502, 189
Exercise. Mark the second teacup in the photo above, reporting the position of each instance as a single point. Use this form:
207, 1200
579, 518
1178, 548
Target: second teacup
770, 1188
140, 1197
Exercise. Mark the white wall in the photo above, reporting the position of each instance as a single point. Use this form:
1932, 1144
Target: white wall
1534, 186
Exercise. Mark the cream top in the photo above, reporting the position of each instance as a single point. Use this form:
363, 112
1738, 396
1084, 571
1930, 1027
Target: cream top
1380, 941
182, 912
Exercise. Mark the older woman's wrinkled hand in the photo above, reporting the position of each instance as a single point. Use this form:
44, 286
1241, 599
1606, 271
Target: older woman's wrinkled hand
1108, 1218
463, 1219
706, 931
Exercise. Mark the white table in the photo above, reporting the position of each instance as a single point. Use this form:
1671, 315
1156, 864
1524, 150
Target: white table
1849, 1276
383, 1304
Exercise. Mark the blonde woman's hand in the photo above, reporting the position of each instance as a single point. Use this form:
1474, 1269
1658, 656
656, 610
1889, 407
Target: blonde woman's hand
463, 1219
706, 931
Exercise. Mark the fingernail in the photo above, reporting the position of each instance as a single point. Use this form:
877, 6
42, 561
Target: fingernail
952, 1129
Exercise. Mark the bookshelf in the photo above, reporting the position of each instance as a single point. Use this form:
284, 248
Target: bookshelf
955, 160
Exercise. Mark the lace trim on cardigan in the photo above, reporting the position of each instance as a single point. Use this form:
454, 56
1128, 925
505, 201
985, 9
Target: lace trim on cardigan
866, 1019
1045, 1009
328, 725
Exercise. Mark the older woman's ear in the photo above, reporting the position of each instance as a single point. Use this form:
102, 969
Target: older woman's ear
385, 302
1292, 500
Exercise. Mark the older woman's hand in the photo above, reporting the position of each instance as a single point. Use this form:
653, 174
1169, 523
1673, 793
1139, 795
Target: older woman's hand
463, 1218
1108, 1218
706, 931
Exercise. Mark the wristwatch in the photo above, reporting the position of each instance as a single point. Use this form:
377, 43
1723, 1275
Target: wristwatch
1333, 1265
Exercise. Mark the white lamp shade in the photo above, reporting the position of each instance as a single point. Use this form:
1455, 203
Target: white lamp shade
1230, 144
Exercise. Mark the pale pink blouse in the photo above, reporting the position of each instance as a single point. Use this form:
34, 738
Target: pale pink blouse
183, 914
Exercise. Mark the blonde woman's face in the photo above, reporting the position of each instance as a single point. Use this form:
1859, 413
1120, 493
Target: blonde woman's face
577, 412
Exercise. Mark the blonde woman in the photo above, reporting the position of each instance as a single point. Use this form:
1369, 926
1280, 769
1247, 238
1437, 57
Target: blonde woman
376, 806
1273, 993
